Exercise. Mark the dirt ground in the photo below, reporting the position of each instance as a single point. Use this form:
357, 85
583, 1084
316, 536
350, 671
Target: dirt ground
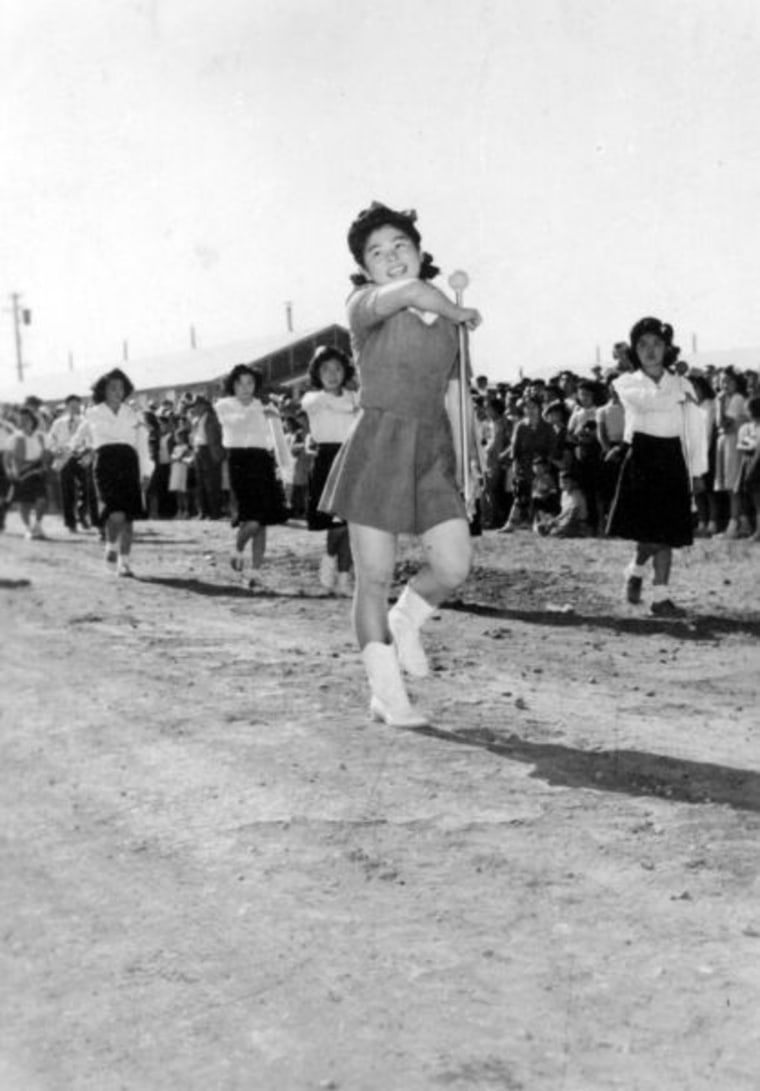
219, 875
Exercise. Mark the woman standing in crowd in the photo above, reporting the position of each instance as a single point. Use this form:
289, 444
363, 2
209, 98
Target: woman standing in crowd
181, 457
748, 446
27, 459
610, 424
533, 437
731, 414
652, 504
247, 435
122, 468
396, 473
331, 410
704, 495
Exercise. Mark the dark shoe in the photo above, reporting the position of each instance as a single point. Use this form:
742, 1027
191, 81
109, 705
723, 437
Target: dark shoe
667, 608
633, 587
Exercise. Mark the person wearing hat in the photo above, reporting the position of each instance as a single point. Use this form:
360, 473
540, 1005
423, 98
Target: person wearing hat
666, 451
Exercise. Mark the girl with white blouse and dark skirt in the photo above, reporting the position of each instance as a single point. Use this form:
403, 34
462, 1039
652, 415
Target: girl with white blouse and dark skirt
666, 450
122, 467
332, 411
27, 457
247, 435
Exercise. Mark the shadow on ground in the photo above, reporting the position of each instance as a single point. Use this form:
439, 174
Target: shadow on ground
694, 627
231, 590
631, 772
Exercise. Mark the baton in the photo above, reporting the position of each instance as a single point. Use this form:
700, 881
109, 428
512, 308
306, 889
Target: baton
458, 281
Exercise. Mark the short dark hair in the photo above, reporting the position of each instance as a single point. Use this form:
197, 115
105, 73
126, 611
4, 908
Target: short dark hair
72, 398
99, 388
321, 356
237, 372
753, 406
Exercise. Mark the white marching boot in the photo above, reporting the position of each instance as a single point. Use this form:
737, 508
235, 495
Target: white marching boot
328, 572
405, 620
390, 701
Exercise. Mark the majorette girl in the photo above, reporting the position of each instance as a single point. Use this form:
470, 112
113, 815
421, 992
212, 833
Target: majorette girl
396, 473
331, 410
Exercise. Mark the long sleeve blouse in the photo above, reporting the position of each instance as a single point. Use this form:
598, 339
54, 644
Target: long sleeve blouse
331, 416
666, 409
243, 425
102, 427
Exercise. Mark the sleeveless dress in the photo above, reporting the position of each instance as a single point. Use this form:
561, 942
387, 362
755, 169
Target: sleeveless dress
397, 469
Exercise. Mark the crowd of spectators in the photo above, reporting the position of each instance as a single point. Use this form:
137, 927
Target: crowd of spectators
550, 451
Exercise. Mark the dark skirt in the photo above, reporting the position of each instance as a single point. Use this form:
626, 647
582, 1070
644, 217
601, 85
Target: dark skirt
325, 456
258, 490
29, 489
117, 481
652, 501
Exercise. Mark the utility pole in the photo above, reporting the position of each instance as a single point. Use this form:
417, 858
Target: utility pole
193, 343
21, 316
289, 316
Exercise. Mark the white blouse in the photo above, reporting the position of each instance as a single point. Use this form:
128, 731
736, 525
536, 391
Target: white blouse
102, 427
666, 409
331, 416
243, 425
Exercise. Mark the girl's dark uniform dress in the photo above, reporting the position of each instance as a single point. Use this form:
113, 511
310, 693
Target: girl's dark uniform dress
397, 469
652, 502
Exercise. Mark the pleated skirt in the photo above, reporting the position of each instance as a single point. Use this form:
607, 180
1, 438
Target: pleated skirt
323, 460
652, 501
395, 473
258, 490
116, 470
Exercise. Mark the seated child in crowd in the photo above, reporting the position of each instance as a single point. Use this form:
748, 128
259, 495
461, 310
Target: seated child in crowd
572, 521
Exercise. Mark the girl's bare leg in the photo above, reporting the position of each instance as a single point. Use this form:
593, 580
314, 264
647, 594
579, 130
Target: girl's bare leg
258, 544
374, 553
448, 556
127, 533
661, 563
244, 534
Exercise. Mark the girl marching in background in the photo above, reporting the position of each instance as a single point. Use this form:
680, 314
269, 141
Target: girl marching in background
248, 436
331, 410
27, 459
396, 473
667, 449
122, 466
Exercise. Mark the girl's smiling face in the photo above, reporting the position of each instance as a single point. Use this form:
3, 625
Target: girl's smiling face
650, 350
331, 375
391, 255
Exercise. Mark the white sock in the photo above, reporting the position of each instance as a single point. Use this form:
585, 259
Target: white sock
660, 592
634, 569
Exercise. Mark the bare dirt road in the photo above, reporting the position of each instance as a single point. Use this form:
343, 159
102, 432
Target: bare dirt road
218, 875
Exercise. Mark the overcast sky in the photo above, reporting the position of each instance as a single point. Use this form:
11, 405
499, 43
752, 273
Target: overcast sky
177, 162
